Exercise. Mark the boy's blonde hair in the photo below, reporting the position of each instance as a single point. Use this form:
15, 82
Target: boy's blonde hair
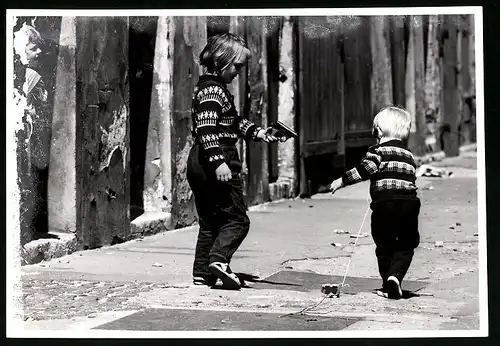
394, 122
27, 34
222, 50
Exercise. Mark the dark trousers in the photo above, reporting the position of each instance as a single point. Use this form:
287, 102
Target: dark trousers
394, 227
221, 208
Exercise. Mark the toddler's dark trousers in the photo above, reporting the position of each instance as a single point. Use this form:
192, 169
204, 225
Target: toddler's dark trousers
394, 227
221, 208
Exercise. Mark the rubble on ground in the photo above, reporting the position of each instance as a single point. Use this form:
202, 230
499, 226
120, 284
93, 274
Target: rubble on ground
341, 231
431, 171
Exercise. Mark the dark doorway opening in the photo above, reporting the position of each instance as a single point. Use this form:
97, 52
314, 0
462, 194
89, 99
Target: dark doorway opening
142, 38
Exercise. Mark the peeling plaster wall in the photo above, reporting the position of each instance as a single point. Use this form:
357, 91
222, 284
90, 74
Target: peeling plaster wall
381, 81
287, 171
415, 83
158, 167
257, 158
433, 82
114, 137
190, 38
102, 137
451, 96
62, 174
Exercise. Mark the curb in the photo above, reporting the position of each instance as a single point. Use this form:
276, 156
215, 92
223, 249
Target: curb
39, 250
46, 249
468, 147
150, 223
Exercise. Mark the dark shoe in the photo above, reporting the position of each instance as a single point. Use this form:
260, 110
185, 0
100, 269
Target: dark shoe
221, 270
394, 288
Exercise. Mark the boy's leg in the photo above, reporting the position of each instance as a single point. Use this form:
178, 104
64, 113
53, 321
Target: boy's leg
231, 211
234, 226
384, 242
384, 258
408, 238
206, 236
202, 184
401, 263
233, 220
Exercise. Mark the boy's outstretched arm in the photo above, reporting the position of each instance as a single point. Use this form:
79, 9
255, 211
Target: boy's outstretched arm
362, 171
336, 184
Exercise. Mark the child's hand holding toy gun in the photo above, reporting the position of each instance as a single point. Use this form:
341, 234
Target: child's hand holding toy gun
277, 131
281, 131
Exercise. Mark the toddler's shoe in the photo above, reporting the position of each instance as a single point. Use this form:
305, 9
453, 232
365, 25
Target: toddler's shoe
393, 288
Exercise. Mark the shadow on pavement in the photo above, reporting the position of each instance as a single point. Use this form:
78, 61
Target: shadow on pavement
308, 281
253, 278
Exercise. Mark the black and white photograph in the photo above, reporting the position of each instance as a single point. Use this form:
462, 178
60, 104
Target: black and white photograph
246, 173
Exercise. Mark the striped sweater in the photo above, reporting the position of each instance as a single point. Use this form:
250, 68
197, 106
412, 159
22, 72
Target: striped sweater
215, 119
390, 166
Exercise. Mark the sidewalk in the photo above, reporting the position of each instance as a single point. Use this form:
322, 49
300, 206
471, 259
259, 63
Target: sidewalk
289, 245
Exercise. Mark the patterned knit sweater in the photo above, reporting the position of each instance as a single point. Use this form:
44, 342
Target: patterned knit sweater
215, 119
390, 166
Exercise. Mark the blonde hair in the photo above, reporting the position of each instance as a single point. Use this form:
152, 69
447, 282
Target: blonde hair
27, 34
393, 122
222, 50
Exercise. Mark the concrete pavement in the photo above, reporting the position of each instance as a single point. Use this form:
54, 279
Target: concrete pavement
131, 284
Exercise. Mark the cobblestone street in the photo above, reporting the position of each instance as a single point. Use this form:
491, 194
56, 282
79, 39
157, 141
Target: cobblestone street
53, 299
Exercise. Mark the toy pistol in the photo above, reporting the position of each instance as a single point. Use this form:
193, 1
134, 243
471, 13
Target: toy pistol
278, 129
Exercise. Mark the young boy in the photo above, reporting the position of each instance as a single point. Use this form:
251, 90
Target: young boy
34, 148
390, 166
214, 166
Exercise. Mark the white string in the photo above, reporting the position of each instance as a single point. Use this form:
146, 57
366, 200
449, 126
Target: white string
313, 306
354, 246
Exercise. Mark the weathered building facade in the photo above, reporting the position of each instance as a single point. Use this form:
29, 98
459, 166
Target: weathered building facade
121, 100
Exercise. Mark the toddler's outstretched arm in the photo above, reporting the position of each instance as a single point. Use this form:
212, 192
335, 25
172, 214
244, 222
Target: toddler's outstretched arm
362, 171
336, 184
